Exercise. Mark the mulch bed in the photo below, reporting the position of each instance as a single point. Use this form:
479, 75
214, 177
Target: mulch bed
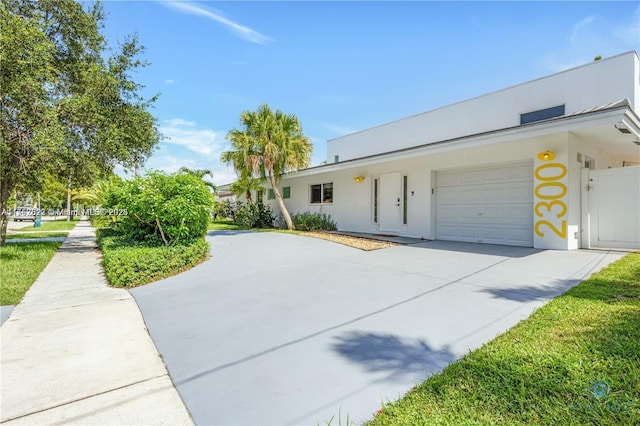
365, 244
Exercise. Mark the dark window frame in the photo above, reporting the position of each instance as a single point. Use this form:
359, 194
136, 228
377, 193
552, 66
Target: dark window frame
542, 114
321, 193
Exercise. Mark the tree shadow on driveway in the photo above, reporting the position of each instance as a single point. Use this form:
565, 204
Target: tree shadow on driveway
532, 293
392, 354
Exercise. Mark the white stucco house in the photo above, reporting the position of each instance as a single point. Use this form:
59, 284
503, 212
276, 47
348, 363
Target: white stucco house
553, 163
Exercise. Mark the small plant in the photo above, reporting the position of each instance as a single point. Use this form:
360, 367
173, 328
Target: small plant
226, 209
314, 222
254, 215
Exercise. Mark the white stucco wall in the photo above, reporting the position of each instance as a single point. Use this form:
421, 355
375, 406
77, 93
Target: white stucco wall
592, 85
352, 206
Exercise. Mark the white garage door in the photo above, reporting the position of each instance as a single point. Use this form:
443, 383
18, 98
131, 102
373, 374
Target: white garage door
491, 205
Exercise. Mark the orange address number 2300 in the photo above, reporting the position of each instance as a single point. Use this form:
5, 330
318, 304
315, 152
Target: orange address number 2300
551, 190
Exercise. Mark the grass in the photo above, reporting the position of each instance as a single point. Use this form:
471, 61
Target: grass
223, 225
574, 361
51, 234
20, 265
129, 264
57, 225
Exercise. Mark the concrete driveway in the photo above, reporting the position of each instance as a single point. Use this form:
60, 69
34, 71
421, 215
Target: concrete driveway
283, 329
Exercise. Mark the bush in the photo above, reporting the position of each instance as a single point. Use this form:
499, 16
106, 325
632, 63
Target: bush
171, 209
254, 215
226, 209
314, 222
129, 263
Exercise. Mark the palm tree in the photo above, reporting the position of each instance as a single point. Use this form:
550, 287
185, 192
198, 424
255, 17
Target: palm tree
245, 184
270, 144
200, 174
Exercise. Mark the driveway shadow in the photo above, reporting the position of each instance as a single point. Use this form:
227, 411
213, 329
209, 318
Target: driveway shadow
478, 248
531, 293
392, 354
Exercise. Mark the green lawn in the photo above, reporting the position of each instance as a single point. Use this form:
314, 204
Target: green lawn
58, 225
574, 361
20, 265
35, 234
223, 225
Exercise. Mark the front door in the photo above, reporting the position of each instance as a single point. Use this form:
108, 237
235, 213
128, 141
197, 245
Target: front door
390, 205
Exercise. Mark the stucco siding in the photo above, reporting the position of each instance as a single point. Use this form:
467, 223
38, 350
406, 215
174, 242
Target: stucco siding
580, 88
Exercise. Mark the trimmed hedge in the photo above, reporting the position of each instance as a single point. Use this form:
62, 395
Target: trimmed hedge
130, 264
314, 222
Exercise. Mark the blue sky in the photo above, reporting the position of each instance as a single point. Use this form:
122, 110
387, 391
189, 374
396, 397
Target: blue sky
345, 66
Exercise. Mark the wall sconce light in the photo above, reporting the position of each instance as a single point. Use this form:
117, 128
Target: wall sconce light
358, 179
546, 156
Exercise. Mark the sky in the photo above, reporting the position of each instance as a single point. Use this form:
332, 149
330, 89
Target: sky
341, 67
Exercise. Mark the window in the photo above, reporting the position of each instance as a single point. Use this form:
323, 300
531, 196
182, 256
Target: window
542, 114
375, 201
404, 200
260, 195
322, 193
286, 192
336, 158
271, 195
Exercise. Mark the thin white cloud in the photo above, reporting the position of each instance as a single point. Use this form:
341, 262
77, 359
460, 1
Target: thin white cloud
241, 31
169, 81
579, 27
592, 36
185, 133
629, 32
339, 130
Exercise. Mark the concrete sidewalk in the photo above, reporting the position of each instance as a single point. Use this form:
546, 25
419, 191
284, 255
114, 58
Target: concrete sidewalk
76, 351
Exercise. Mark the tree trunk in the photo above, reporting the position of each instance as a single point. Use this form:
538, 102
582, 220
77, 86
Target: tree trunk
6, 186
248, 197
283, 208
5, 191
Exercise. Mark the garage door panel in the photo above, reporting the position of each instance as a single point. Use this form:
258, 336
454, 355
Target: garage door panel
492, 213
521, 213
519, 237
519, 173
469, 212
493, 194
469, 233
490, 205
494, 234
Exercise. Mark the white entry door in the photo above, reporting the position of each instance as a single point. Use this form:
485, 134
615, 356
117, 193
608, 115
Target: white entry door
613, 219
390, 202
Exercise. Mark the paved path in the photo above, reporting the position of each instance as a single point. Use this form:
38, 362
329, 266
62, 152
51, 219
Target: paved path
76, 351
281, 329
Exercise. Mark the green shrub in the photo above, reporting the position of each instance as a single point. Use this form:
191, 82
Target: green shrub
314, 222
226, 209
172, 209
129, 263
254, 215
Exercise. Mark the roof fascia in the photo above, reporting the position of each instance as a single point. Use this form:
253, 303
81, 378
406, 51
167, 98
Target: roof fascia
530, 130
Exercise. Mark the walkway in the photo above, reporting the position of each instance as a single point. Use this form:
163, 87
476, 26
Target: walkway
76, 351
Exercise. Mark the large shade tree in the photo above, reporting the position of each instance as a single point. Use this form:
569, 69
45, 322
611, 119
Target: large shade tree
269, 144
69, 107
